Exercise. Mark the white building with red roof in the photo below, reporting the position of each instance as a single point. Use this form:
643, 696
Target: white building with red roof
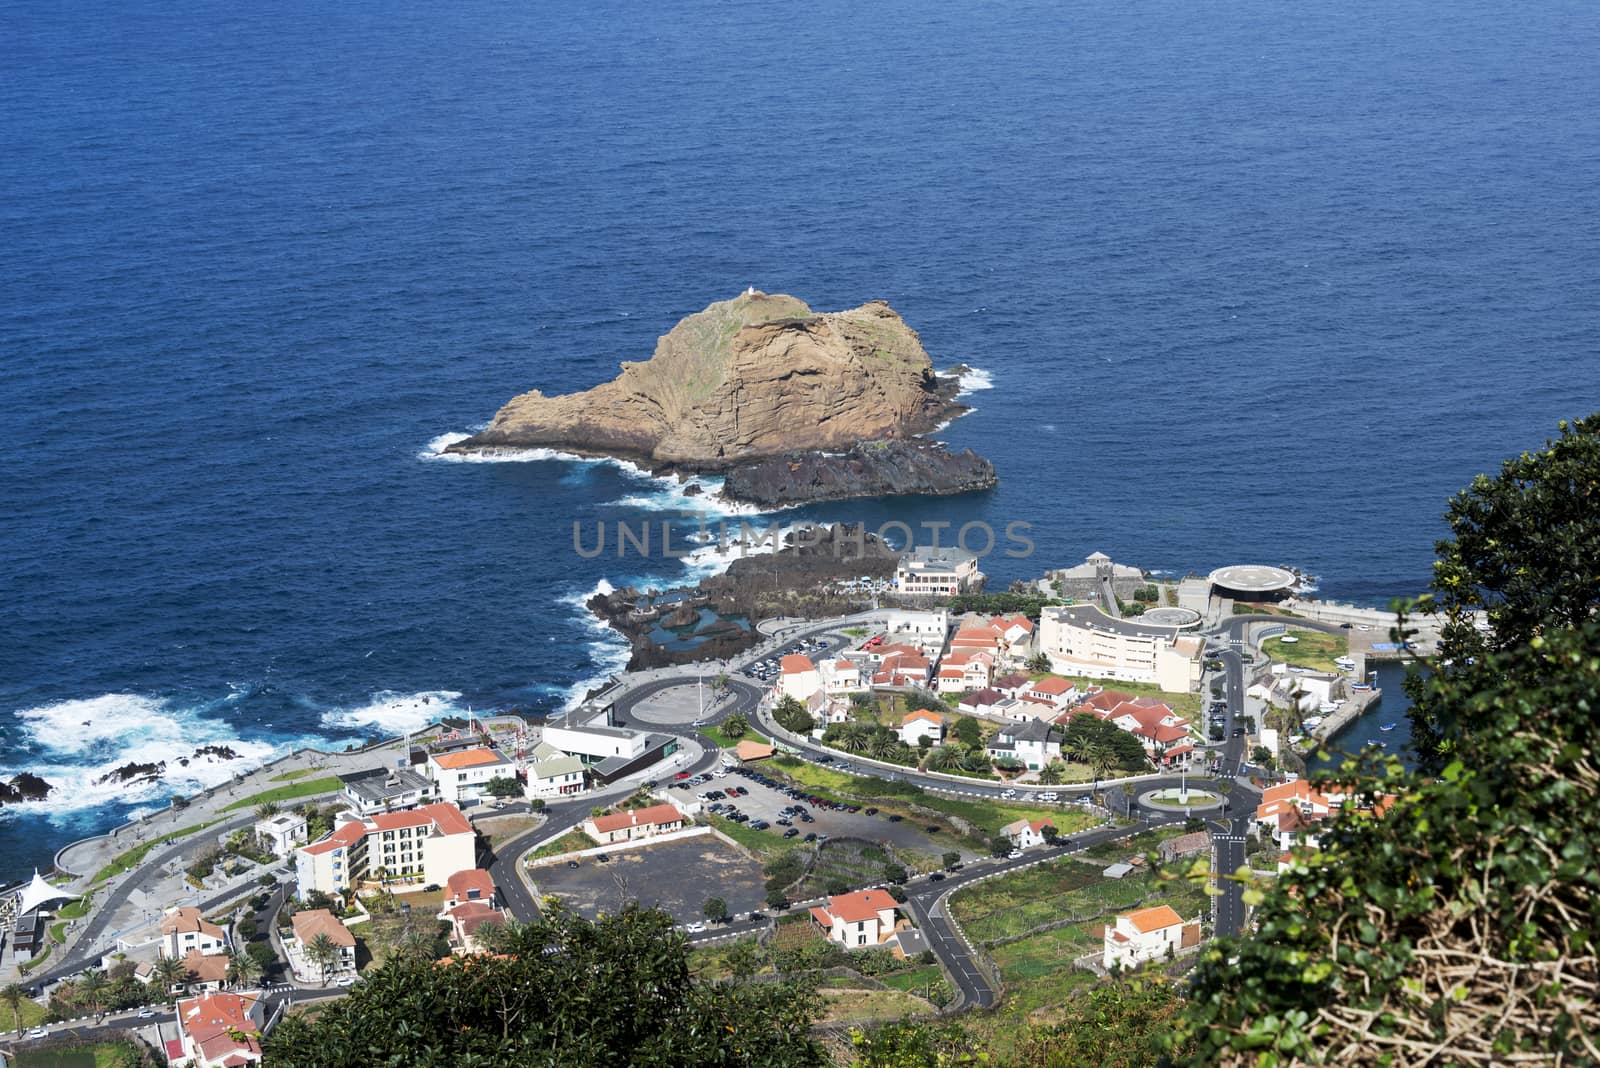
185, 930
921, 723
863, 919
474, 884
1291, 812
423, 845
903, 668
461, 775
962, 671
309, 925
797, 677
1053, 691
839, 676
1025, 834
466, 921
217, 1031
633, 823
1161, 731
1147, 934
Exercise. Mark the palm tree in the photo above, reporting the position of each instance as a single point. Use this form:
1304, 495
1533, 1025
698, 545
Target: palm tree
12, 995
853, 737
169, 972
266, 810
1100, 760
92, 991
1052, 773
243, 969
946, 756
882, 744
1072, 747
323, 952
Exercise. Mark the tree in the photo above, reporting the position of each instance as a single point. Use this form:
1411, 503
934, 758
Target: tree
776, 898
535, 1004
743, 959
1052, 773
716, 910
735, 725
243, 969
1000, 846
322, 952
1522, 551
1049, 833
503, 786
1261, 755
92, 986
951, 858
792, 715
895, 872
266, 810
169, 972
1461, 913
967, 730
13, 996
1038, 664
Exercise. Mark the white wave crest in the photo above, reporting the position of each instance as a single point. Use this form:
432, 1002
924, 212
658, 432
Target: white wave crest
393, 713
972, 380
80, 742
608, 653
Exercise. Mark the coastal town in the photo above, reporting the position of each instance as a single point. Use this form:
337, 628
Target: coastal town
1093, 749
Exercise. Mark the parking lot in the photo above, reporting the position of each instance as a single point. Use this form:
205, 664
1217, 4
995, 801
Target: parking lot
676, 877
816, 648
760, 801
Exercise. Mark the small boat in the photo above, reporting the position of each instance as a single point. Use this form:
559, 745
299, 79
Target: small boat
1388, 726
1376, 744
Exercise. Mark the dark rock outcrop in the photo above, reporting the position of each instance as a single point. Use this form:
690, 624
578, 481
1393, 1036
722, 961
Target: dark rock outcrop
870, 469
133, 771
25, 786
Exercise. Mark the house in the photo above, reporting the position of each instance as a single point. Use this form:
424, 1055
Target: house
1163, 733
864, 918
839, 676
963, 671
462, 775
924, 629
217, 1031
1082, 640
184, 929
474, 884
1025, 834
201, 972
385, 790
937, 572
903, 669
281, 832
1052, 690
1032, 743
552, 773
981, 702
1291, 812
467, 920
1185, 845
797, 677
309, 924
424, 845
978, 636
1147, 934
919, 724
633, 823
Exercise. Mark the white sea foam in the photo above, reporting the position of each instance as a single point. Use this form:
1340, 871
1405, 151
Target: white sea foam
391, 713
609, 652
974, 379
82, 740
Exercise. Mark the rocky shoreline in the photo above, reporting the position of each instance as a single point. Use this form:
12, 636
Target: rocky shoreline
869, 469
796, 580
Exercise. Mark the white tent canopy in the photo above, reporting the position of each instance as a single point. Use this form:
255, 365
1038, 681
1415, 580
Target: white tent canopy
39, 893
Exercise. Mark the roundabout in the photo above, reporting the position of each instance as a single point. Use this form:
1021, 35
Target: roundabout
1186, 799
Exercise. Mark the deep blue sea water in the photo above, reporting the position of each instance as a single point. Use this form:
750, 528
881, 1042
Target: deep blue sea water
1252, 282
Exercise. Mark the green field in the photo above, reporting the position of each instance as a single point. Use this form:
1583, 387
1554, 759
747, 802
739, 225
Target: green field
1009, 906
132, 858
32, 1014
722, 741
292, 792
915, 980
97, 1055
764, 844
571, 842
76, 909
870, 1005
1315, 649
297, 773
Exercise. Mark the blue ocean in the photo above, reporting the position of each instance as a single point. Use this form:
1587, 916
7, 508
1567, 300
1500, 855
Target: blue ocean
1253, 282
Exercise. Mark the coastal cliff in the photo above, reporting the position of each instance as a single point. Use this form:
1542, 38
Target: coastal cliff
756, 376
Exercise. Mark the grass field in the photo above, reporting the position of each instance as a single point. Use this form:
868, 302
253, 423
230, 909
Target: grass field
1314, 650
764, 844
32, 1013
132, 858
988, 815
1009, 906
292, 792
297, 773
570, 842
95, 1055
501, 829
870, 1005
916, 979
76, 909
383, 932
723, 741
852, 862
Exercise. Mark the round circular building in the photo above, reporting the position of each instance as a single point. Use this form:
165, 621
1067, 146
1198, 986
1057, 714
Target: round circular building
1252, 582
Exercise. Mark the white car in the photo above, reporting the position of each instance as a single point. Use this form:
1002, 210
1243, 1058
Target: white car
146, 1014
1009, 794
1052, 796
38, 1032
695, 928
1014, 854
346, 981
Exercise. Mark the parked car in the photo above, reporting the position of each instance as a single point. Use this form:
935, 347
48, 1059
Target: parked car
791, 832
936, 877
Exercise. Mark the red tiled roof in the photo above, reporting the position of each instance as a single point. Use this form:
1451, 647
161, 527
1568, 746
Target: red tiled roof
187, 920
1054, 686
211, 1020
795, 664
468, 758
462, 883
443, 815
204, 968
1153, 919
859, 906
922, 713
472, 915
345, 835
309, 923
655, 815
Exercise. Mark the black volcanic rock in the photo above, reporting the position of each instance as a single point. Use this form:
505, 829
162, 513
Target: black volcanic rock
133, 771
870, 469
25, 786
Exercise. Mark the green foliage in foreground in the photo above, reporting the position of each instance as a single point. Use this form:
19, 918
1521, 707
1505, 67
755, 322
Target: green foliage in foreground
1467, 919
565, 992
